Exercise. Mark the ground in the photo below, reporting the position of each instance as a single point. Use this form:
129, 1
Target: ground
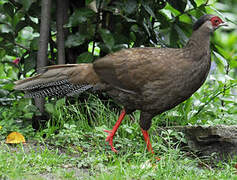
37, 160
71, 148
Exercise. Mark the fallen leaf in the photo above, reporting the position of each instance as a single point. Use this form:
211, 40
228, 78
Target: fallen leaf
15, 138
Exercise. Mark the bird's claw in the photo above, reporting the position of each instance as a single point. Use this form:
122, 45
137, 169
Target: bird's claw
110, 139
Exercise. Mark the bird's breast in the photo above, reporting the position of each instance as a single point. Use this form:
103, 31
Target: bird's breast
164, 94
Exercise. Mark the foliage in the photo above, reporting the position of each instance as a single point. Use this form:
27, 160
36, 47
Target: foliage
17, 118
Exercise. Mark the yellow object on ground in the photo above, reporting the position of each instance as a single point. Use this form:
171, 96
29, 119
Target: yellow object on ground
15, 138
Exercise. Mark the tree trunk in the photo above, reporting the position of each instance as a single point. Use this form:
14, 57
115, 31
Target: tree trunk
42, 55
62, 10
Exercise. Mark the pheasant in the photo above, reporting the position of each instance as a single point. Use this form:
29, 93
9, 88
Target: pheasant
149, 79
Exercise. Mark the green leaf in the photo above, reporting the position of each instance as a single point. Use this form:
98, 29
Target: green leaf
8, 36
74, 40
2, 53
9, 9
104, 48
31, 108
129, 19
60, 103
130, 6
3, 92
26, 4
2, 70
8, 86
182, 36
11, 73
149, 10
28, 115
179, 5
145, 25
132, 36
85, 57
193, 3
174, 37
232, 110
118, 47
20, 25
49, 108
89, 1
223, 61
22, 106
34, 44
30, 62
32, 24
80, 16
163, 19
233, 63
35, 10
107, 38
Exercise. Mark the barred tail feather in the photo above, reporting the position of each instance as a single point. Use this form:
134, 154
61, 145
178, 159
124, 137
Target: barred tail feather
61, 80
66, 89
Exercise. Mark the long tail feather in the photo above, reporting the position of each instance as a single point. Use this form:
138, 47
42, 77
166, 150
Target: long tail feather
60, 80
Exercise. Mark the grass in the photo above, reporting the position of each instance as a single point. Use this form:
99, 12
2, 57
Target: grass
69, 148
41, 162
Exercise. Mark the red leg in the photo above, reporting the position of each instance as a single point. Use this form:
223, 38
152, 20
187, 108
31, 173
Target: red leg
147, 140
113, 131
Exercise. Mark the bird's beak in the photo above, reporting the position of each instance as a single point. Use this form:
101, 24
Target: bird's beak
223, 24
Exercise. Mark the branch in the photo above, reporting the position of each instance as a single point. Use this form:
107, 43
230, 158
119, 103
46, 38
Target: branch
21, 46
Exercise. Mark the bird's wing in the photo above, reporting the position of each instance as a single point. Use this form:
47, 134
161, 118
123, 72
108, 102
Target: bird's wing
131, 69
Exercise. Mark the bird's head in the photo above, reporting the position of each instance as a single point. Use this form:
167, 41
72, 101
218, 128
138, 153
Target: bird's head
209, 22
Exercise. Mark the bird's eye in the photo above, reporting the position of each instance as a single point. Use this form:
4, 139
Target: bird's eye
215, 21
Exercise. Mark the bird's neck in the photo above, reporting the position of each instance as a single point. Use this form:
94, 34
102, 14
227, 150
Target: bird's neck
199, 43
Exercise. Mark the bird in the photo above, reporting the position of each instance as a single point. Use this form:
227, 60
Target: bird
150, 79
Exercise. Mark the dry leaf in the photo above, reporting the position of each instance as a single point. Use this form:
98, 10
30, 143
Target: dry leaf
15, 138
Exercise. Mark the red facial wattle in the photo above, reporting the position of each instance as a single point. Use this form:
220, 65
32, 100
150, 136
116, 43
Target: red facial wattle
216, 21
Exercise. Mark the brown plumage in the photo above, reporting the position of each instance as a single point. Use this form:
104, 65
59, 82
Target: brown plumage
151, 80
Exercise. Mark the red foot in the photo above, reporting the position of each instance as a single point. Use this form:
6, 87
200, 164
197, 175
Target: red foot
113, 131
110, 139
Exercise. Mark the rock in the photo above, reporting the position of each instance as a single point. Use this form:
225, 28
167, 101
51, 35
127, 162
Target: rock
219, 142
